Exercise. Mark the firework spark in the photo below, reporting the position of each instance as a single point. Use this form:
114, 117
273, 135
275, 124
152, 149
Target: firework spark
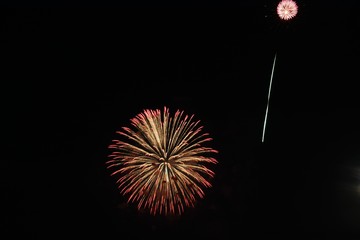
268, 99
287, 9
162, 161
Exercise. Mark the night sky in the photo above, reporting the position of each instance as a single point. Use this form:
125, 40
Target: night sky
74, 73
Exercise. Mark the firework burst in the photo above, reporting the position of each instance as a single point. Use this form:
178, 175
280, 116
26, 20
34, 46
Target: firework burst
287, 9
162, 162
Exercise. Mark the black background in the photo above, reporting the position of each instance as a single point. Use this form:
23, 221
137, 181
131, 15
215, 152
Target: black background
73, 73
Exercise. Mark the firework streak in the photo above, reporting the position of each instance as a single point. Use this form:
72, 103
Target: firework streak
268, 100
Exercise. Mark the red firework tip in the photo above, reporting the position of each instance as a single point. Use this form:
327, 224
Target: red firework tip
287, 9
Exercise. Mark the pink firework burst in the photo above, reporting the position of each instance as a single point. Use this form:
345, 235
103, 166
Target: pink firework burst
287, 9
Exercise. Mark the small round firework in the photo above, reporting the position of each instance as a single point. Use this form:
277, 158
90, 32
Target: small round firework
287, 9
162, 161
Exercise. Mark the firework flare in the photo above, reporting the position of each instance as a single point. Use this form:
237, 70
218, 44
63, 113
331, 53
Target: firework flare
287, 9
162, 161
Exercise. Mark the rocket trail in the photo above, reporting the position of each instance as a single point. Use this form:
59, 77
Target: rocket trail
268, 100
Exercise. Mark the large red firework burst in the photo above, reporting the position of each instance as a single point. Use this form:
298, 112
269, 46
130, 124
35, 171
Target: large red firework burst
287, 9
161, 161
